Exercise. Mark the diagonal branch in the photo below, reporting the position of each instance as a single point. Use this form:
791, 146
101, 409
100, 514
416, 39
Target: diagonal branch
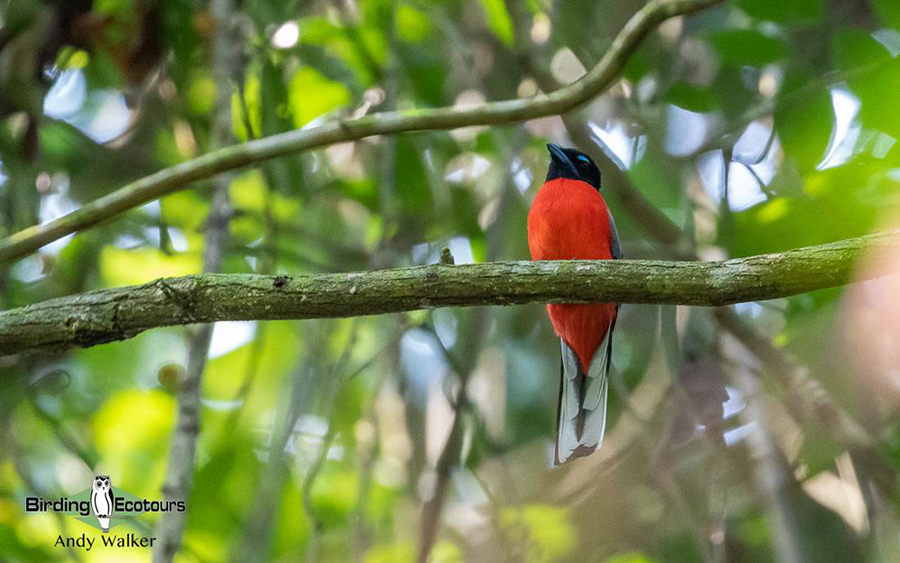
178, 177
121, 313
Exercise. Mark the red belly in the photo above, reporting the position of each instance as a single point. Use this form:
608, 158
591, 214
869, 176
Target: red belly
582, 327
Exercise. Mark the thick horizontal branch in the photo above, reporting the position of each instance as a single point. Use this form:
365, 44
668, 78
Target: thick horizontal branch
178, 177
117, 314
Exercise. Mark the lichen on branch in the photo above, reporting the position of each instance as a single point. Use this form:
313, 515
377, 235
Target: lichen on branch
117, 314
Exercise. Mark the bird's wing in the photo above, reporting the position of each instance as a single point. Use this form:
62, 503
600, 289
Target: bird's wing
614, 245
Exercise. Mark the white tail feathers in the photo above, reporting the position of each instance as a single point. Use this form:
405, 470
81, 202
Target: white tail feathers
581, 419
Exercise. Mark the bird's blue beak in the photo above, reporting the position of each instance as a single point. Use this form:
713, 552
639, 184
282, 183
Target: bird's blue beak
562, 159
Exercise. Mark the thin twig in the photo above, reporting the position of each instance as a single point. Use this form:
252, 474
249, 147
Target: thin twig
769, 472
267, 263
179, 477
179, 177
368, 456
255, 542
462, 366
450, 455
809, 400
730, 132
309, 481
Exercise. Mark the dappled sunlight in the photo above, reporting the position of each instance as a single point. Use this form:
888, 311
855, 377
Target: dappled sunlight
135, 266
846, 131
361, 170
228, 336
626, 149
128, 430
686, 130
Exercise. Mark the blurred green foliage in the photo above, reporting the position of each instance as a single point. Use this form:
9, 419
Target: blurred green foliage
757, 126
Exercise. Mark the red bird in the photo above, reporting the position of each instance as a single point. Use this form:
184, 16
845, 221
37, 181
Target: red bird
569, 220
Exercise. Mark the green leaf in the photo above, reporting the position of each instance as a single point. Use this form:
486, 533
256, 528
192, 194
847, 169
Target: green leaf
633, 557
335, 68
786, 11
363, 191
426, 72
854, 49
873, 76
223, 487
402, 552
888, 11
545, 529
692, 98
247, 110
227, 373
749, 47
828, 208
182, 32
201, 93
734, 95
754, 531
248, 193
294, 524
465, 212
334, 495
120, 267
805, 128
128, 431
412, 25
359, 49
638, 65
118, 8
311, 95
660, 186
446, 552
498, 20
102, 72
413, 188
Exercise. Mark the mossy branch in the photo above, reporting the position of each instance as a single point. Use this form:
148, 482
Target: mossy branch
121, 313
179, 177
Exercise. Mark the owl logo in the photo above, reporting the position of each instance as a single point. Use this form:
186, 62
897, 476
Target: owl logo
102, 500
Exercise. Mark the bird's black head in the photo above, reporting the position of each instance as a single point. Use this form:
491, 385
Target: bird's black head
573, 165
